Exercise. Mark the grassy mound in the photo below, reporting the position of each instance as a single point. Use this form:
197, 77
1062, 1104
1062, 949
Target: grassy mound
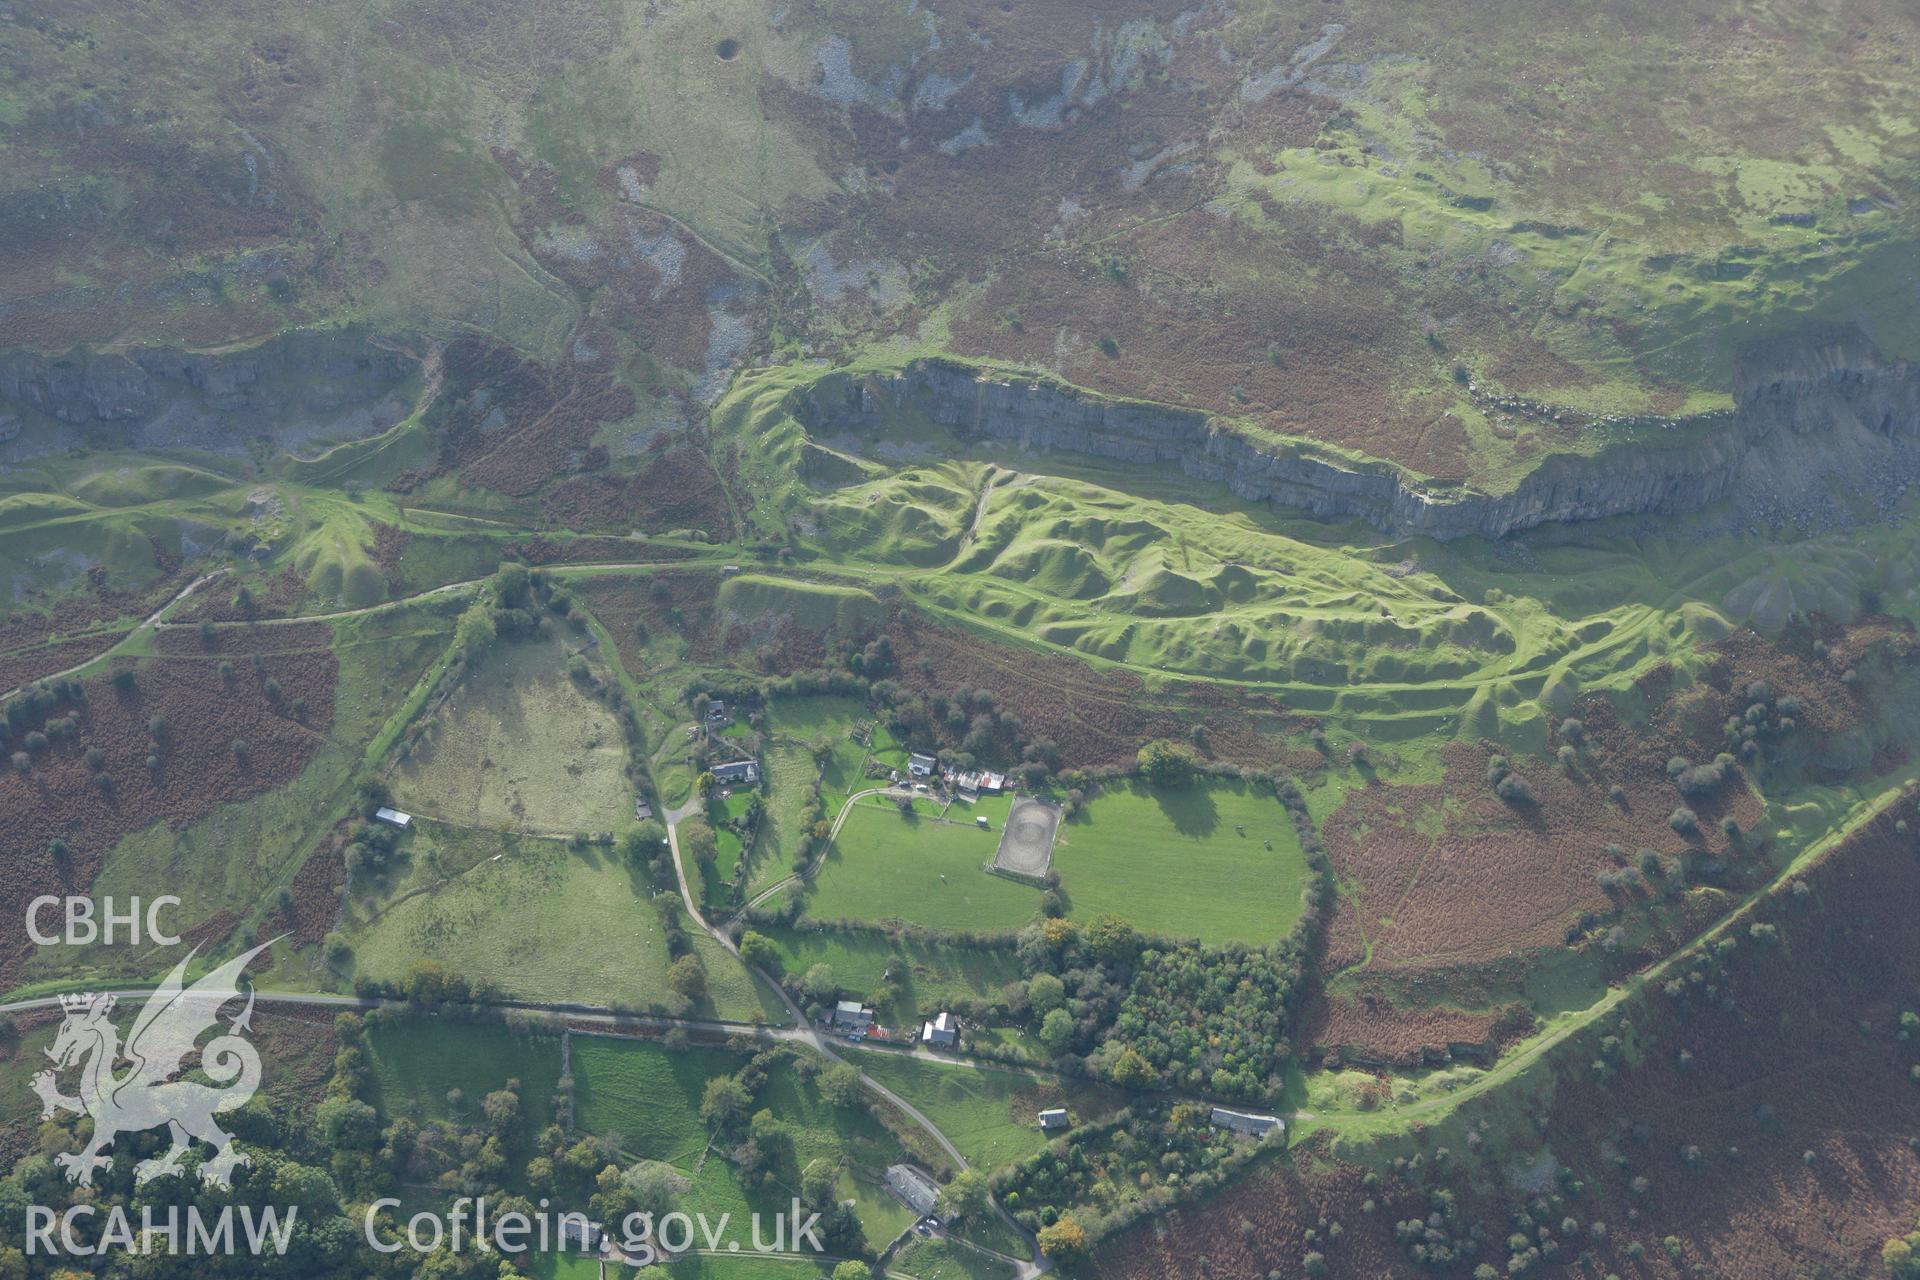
830, 610
132, 486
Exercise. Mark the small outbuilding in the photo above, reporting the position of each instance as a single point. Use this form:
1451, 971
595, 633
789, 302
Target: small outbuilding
1054, 1119
393, 817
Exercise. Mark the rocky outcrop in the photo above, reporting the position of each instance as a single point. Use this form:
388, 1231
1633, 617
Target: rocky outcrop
1809, 414
301, 385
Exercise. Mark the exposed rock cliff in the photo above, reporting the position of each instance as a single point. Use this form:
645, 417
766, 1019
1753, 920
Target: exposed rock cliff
1819, 412
299, 386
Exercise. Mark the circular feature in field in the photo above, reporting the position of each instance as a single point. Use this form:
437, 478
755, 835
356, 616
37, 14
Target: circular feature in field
727, 50
1026, 842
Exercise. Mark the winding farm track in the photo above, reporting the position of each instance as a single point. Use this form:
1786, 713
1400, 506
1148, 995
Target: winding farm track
1616, 638
148, 623
803, 1031
795, 876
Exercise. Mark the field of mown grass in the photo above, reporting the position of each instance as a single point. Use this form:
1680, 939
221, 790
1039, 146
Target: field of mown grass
883, 866
1217, 861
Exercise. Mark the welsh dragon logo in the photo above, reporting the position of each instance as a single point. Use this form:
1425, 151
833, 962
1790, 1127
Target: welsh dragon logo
144, 1095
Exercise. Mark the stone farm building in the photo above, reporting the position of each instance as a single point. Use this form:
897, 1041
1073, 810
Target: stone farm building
1246, 1122
745, 772
915, 1188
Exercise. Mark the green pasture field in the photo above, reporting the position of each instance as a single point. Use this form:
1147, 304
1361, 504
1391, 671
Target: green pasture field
520, 745
1217, 861
537, 919
796, 724
884, 866
790, 771
806, 717
733, 993
647, 1099
947, 1260
928, 975
418, 1060
990, 1113
645, 1095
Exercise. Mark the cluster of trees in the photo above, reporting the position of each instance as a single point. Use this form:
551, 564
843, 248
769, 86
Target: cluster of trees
1766, 719
370, 848
1507, 784
686, 975
1207, 1018
1439, 1240
1696, 780
35, 703
966, 727
338, 1156
28, 720
762, 1147
1902, 1255
1137, 1163
1146, 1014
326, 1162
644, 848
1167, 763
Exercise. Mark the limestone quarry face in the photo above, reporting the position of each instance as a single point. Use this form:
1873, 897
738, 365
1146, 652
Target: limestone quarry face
304, 385
1813, 416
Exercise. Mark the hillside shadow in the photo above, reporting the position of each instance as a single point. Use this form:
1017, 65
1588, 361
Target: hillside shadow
1189, 808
